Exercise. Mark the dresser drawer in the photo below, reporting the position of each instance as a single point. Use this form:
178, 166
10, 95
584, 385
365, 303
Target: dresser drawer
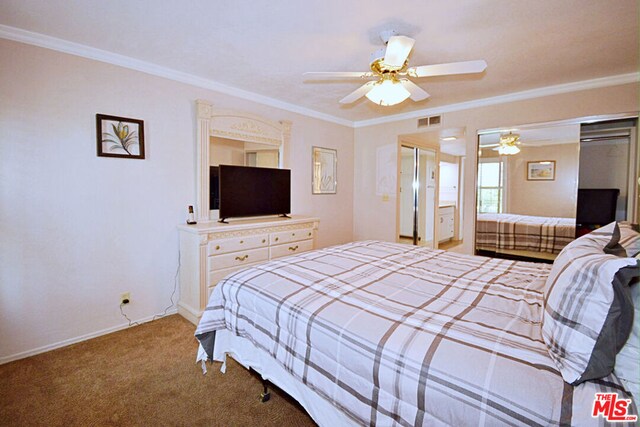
291, 248
283, 237
233, 244
216, 275
238, 259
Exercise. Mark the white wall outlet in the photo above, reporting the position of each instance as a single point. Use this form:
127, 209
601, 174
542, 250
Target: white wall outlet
125, 298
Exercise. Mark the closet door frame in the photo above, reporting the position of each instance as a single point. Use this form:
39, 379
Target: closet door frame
407, 141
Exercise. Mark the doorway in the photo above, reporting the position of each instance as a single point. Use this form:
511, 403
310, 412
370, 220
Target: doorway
418, 193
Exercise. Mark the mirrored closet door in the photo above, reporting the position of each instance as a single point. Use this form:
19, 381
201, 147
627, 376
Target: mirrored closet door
541, 186
527, 188
418, 181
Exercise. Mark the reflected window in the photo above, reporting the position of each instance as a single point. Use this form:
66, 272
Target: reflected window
490, 186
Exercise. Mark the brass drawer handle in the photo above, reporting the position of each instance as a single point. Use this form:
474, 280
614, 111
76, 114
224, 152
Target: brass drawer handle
217, 247
276, 239
241, 241
242, 258
293, 234
264, 240
293, 248
309, 234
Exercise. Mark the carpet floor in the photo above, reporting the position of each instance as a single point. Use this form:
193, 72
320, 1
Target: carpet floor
142, 376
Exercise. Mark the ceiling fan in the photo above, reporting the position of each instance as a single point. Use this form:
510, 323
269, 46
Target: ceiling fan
507, 145
390, 71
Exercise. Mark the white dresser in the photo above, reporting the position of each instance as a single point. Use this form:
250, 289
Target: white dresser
210, 251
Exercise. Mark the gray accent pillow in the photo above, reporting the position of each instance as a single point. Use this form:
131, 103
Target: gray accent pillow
614, 247
616, 328
587, 315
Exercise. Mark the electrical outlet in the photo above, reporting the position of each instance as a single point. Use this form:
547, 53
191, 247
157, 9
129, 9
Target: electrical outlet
125, 298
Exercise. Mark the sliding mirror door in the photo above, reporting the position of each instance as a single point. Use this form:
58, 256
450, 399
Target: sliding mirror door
527, 188
417, 202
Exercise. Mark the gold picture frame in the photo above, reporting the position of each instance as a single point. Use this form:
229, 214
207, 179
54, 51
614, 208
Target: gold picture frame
541, 170
324, 170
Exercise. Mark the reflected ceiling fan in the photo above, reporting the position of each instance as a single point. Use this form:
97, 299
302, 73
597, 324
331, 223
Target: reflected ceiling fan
390, 71
507, 145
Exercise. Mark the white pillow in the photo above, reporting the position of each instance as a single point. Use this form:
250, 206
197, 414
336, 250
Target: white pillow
587, 314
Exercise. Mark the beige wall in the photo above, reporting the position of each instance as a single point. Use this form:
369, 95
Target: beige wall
555, 198
376, 214
78, 230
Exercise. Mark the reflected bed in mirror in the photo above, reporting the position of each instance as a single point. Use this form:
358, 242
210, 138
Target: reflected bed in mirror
527, 191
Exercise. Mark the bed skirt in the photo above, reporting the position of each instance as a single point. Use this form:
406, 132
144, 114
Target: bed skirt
245, 353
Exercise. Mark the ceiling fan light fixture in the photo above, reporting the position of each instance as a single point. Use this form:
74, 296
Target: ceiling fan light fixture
508, 150
509, 144
388, 92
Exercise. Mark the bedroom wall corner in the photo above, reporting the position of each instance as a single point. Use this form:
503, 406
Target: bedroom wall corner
78, 230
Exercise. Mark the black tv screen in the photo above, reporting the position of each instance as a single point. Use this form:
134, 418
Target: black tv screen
250, 191
597, 206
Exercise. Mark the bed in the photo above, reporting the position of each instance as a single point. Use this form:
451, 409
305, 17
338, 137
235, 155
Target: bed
524, 235
375, 333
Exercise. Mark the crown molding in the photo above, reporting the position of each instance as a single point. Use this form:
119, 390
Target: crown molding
601, 82
77, 49
60, 45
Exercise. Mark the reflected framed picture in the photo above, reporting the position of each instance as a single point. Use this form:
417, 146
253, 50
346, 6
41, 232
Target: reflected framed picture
324, 179
543, 170
120, 137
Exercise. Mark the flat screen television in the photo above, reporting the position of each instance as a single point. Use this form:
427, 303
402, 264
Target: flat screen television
250, 191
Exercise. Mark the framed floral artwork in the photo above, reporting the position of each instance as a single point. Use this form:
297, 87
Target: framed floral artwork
120, 137
324, 171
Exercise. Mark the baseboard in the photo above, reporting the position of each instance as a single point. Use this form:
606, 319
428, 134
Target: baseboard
60, 344
189, 313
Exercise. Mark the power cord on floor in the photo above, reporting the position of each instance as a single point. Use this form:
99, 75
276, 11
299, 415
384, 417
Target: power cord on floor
164, 313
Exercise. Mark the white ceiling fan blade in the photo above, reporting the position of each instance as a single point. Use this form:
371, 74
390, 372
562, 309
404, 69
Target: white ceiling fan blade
398, 49
358, 93
466, 67
417, 93
324, 75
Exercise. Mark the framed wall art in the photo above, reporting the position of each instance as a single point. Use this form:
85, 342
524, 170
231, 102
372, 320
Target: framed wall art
324, 171
120, 137
543, 170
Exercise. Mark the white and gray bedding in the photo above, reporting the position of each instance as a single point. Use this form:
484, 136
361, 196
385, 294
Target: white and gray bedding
393, 334
496, 232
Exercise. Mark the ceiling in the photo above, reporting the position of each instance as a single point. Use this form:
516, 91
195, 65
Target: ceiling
264, 47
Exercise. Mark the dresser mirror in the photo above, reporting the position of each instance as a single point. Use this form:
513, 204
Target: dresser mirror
234, 138
224, 151
527, 188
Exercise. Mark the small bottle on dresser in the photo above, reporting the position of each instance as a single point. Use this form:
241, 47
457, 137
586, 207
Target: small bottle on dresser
191, 219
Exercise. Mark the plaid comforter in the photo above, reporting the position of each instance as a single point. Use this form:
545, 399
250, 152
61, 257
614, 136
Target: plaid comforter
395, 334
522, 232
